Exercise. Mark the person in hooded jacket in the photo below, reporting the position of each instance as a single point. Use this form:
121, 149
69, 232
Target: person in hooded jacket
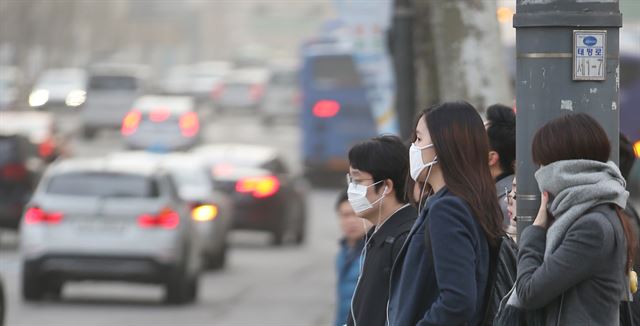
574, 260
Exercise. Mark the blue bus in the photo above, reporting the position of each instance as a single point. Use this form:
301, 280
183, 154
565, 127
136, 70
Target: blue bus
335, 112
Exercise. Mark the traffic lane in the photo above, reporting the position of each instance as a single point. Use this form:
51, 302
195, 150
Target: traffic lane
261, 285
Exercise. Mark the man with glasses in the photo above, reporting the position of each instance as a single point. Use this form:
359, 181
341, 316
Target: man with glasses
377, 174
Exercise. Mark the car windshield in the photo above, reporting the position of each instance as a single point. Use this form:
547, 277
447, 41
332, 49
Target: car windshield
333, 72
113, 83
101, 184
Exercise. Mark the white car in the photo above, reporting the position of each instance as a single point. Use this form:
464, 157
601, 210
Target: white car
110, 96
241, 89
60, 87
211, 208
101, 219
162, 124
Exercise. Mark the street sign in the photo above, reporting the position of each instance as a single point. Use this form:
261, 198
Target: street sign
589, 54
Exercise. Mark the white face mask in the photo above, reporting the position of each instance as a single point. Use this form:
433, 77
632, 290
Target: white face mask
416, 165
357, 195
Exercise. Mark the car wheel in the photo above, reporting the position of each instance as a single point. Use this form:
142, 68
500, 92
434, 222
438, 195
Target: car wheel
177, 289
278, 237
216, 260
88, 133
32, 289
55, 289
192, 289
301, 231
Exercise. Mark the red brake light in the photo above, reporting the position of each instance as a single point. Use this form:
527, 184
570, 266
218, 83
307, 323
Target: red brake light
35, 215
326, 109
14, 172
259, 187
166, 219
189, 124
159, 115
256, 92
131, 122
46, 148
217, 92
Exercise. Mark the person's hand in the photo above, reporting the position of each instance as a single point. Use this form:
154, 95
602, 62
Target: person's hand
542, 218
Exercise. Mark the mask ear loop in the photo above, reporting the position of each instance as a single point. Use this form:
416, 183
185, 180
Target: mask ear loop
421, 200
380, 208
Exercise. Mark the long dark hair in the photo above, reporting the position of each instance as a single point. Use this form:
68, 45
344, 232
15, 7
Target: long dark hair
461, 143
574, 137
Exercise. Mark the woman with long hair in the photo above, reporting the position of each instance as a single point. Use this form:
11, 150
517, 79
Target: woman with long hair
575, 258
441, 273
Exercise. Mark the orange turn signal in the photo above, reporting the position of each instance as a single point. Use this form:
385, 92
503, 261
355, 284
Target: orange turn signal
204, 213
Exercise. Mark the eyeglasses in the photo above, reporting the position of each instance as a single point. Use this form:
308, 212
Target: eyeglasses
509, 194
355, 181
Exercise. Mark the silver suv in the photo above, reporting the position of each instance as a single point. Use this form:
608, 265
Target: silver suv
101, 219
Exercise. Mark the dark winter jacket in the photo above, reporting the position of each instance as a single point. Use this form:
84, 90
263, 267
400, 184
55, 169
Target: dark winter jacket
446, 285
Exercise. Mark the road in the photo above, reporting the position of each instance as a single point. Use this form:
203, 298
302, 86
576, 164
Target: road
261, 285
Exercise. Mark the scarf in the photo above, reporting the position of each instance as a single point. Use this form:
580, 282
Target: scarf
575, 186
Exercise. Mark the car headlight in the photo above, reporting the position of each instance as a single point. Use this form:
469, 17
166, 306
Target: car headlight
76, 98
38, 97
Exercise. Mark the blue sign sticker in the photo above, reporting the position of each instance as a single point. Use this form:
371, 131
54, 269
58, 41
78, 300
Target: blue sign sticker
590, 41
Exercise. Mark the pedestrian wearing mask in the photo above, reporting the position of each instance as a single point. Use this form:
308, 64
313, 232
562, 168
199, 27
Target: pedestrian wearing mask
353, 230
377, 175
574, 260
442, 271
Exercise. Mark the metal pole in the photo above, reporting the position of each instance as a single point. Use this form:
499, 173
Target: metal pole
567, 61
403, 62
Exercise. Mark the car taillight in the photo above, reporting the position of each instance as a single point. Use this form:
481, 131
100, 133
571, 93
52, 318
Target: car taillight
46, 148
256, 92
130, 122
159, 115
189, 124
326, 109
14, 172
636, 148
35, 215
217, 92
259, 187
203, 213
166, 219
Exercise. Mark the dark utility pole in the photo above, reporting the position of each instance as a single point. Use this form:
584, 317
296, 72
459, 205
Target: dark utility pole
567, 61
401, 43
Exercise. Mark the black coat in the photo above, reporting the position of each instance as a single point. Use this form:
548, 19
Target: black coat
372, 292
